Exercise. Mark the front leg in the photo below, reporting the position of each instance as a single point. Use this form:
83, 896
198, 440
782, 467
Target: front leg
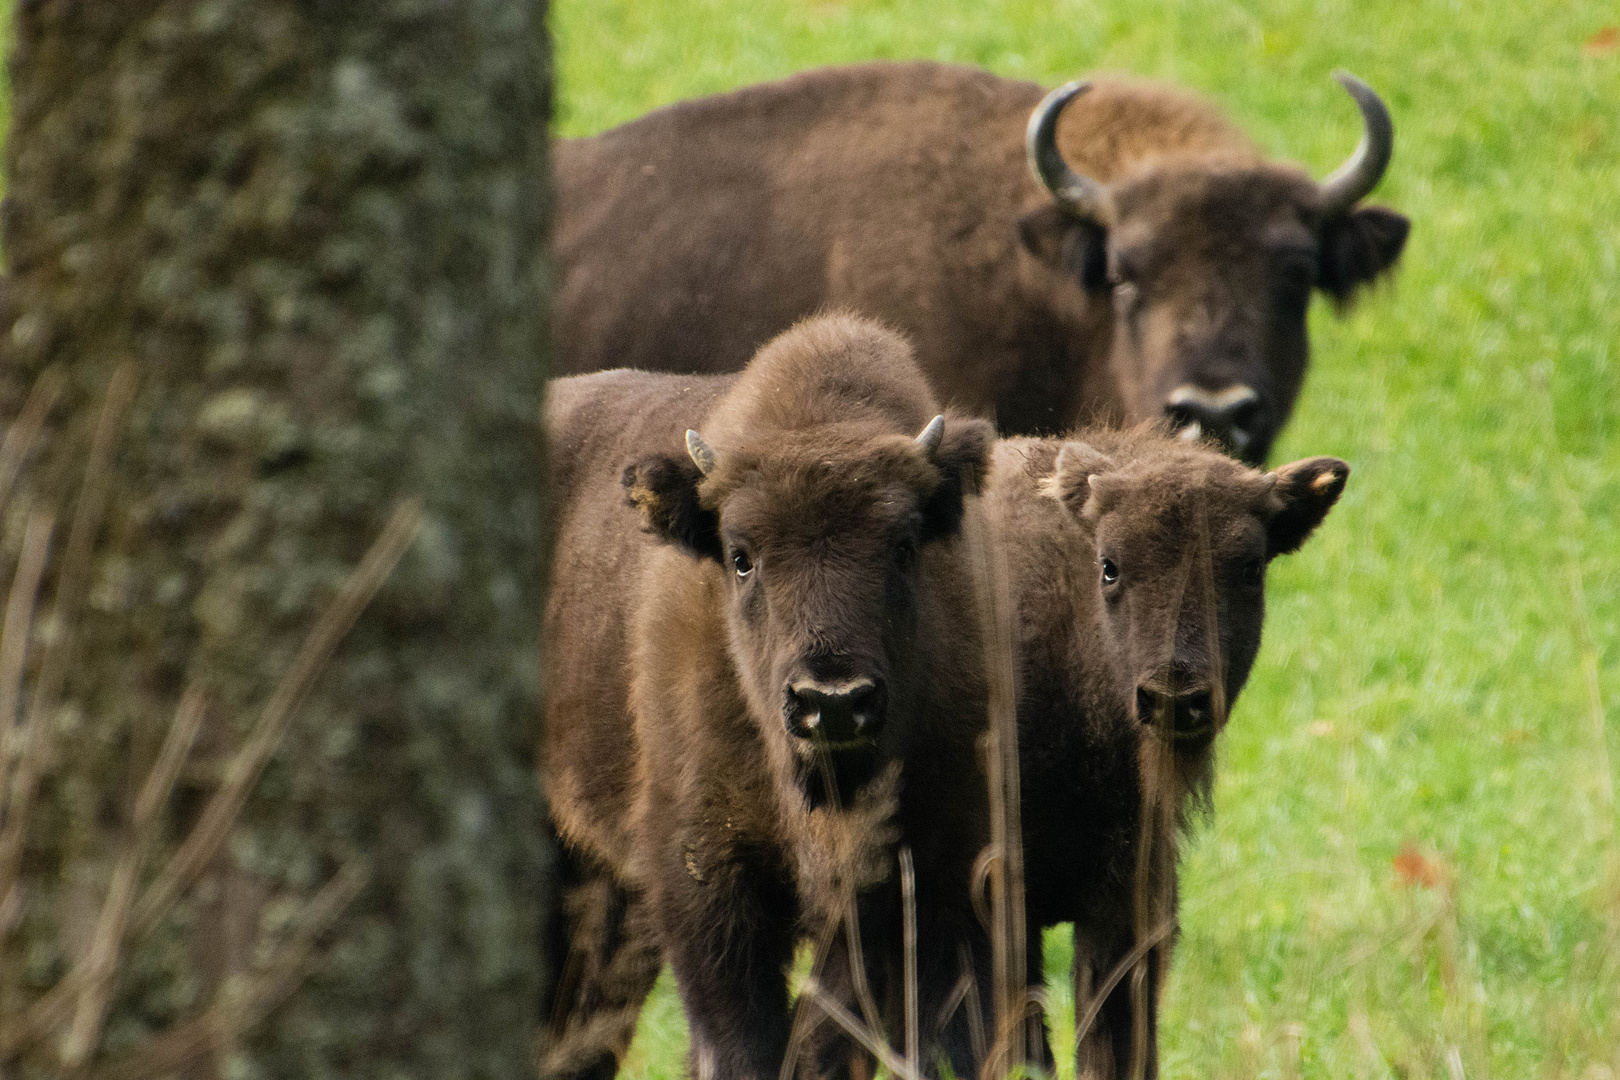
1125, 1029
612, 961
726, 915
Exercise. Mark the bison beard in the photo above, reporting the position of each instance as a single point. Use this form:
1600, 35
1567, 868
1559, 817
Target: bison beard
802, 548
1138, 563
1160, 267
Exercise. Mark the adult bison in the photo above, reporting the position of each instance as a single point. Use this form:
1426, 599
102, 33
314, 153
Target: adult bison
758, 689
1160, 265
1138, 562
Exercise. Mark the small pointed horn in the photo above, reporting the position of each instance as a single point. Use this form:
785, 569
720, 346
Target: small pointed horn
1361, 173
702, 456
928, 441
1080, 195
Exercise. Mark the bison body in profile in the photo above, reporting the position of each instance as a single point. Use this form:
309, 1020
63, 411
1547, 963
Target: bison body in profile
1138, 563
1152, 264
758, 689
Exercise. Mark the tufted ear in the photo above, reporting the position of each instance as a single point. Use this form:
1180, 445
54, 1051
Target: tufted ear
1357, 248
1073, 479
962, 457
665, 490
1304, 493
1064, 242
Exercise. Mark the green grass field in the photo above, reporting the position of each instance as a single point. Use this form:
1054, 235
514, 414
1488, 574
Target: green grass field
1438, 659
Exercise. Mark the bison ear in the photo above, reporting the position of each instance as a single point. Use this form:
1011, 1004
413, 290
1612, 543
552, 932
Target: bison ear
1064, 242
665, 490
963, 458
1071, 483
1303, 494
1358, 247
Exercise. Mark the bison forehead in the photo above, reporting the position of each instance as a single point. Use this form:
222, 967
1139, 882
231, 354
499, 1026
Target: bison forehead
831, 466
805, 507
1215, 198
1163, 505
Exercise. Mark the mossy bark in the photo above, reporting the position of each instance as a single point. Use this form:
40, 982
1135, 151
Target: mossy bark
313, 230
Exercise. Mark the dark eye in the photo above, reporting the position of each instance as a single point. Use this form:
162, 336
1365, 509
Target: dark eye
905, 552
742, 562
1254, 572
1110, 572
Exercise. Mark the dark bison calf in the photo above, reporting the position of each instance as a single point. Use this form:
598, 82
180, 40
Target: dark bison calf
1153, 262
759, 684
1139, 567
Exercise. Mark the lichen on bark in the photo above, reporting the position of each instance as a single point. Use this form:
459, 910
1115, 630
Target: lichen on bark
314, 228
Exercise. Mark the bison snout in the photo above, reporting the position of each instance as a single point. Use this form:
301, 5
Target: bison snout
836, 713
1187, 716
1228, 416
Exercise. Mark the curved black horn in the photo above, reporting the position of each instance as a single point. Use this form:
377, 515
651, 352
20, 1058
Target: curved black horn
1361, 173
1078, 194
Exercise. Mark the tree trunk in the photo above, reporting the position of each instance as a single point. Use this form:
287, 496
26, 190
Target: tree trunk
284, 257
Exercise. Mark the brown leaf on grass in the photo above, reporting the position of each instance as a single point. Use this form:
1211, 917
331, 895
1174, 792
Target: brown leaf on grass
1412, 867
1606, 42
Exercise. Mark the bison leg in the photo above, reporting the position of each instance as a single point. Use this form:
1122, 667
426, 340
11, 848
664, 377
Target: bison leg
727, 927
611, 962
952, 1014
1126, 1026
953, 947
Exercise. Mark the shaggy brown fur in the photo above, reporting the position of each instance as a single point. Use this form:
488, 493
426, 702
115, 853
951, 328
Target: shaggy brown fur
819, 551
901, 190
1126, 682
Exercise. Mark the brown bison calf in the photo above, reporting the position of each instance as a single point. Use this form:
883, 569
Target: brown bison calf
1139, 566
758, 682
1152, 264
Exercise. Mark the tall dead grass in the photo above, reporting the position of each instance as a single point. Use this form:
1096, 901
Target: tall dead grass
66, 1023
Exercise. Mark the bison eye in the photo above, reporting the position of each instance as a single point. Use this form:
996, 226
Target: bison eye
905, 552
1254, 572
1110, 572
742, 562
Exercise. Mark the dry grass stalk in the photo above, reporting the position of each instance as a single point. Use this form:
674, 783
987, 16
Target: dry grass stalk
243, 771
908, 917
851, 918
862, 1034
100, 963
19, 622
241, 1004
70, 589
993, 589
1166, 784
803, 1018
1086, 1017
24, 431
88, 984
86, 988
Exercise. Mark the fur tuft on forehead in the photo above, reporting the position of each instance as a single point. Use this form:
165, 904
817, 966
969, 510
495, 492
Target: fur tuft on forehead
836, 461
1156, 472
1090, 476
835, 372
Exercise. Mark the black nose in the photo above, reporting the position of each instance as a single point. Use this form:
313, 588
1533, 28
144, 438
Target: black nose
834, 712
1228, 416
1189, 716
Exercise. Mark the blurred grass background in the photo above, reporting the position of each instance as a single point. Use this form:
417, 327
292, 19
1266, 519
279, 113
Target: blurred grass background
1430, 682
